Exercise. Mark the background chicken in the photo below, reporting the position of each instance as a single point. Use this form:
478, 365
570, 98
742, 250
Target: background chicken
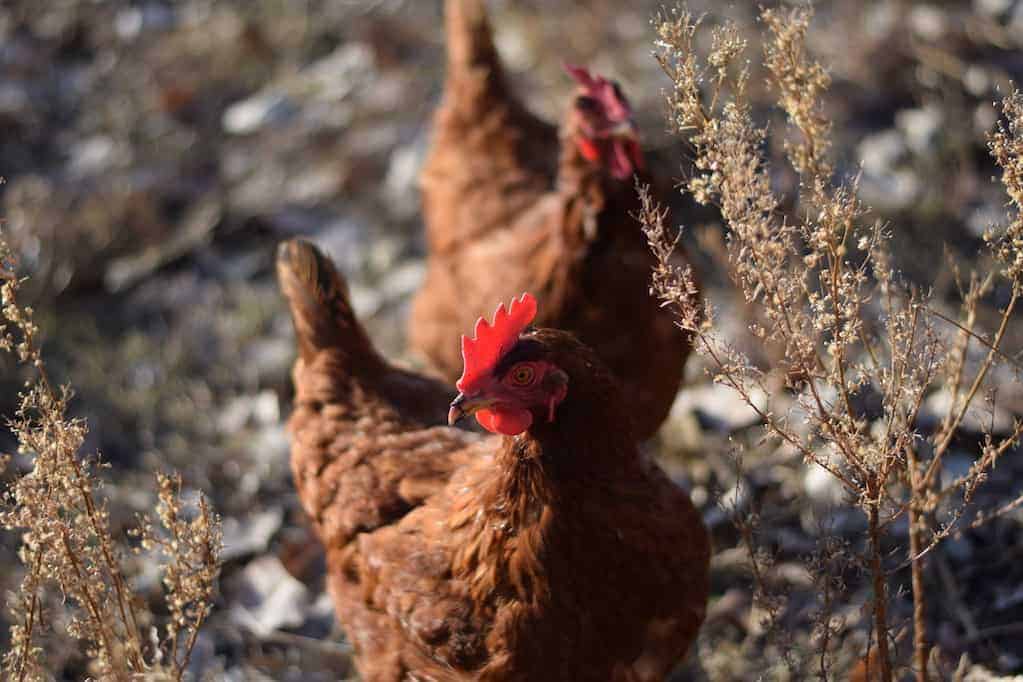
513, 205
557, 554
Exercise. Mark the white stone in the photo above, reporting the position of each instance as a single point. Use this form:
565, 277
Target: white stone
822, 487
928, 22
719, 407
921, 128
256, 112
268, 598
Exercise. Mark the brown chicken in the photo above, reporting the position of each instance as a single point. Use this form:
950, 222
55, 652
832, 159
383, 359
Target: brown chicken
513, 205
552, 552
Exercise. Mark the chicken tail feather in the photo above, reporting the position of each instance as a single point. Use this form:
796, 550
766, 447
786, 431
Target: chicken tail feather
469, 39
320, 306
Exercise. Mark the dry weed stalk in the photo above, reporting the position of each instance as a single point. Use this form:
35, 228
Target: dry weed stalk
828, 296
67, 544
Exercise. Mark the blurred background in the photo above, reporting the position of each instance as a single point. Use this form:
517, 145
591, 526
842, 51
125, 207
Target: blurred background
155, 153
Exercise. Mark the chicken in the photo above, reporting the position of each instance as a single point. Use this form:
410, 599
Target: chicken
511, 205
546, 550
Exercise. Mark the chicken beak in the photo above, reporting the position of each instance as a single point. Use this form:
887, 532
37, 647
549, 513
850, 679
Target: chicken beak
625, 129
462, 406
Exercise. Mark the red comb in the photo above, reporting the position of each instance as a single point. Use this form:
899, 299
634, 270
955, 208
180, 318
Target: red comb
490, 341
602, 90
583, 77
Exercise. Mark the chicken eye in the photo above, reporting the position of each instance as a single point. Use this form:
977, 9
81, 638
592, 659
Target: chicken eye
522, 375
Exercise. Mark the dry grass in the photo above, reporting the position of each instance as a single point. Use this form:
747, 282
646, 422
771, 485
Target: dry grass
73, 561
843, 323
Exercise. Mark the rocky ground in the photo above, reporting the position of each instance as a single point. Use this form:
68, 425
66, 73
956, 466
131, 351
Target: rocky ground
155, 152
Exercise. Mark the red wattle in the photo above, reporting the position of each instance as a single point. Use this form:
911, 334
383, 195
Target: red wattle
508, 422
588, 148
636, 154
621, 162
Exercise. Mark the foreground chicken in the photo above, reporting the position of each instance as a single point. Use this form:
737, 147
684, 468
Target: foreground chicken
549, 551
513, 205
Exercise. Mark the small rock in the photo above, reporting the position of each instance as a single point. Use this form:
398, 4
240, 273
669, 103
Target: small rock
979, 673
316, 184
346, 240
841, 521
265, 408
731, 559
921, 128
1016, 20
384, 254
257, 192
793, 574
400, 184
374, 140
128, 23
880, 20
983, 217
879, 153
389, 93
895, 191
333, 77
403, 280
297, 221
203, 663
513, 46
252, 534
699, 496
320, 618
131, 22
821, 487
980, 418
984, 117
321, 117
93, 154
883, 184
977, 80
681, 432
928, 22
14, 100
271, 444
272, 356
993, 8
259, 111
954, 466
794, 542
959, 549
735, 499
366, 301
1009, 662
719, 407
1007, 597
804, 410
267, 598
733, 606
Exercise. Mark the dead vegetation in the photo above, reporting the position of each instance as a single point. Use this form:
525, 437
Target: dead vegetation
844, 325
75, 564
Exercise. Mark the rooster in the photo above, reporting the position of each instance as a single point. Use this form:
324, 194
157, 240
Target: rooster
547, 549
513, 204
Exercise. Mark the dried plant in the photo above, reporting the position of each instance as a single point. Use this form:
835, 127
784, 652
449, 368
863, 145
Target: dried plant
67, 545
825, 292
